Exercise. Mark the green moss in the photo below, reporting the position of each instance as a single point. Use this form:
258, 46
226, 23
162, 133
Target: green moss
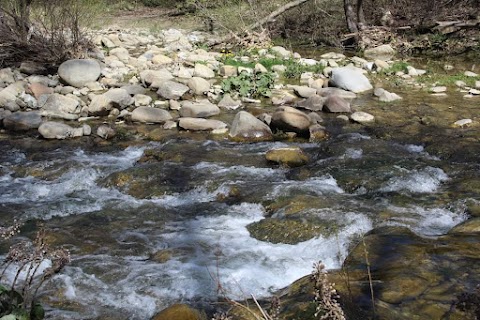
440, 79
397, 66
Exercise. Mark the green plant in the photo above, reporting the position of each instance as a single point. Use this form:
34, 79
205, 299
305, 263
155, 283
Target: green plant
250, 84
295, 69
397, 66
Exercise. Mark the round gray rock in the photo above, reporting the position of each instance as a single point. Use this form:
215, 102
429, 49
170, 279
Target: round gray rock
79, 72
57, 130
150, 115
246, 127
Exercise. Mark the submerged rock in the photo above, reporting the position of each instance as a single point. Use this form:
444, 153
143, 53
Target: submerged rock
179, 312
290, 156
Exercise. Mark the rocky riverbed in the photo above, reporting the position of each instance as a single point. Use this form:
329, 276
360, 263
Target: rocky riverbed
127, 153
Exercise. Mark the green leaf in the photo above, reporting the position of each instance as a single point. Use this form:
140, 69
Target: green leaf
37, 313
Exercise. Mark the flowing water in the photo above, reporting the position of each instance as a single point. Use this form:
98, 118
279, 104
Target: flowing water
188, 241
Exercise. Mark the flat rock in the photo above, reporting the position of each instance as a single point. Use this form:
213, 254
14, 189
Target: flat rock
200, 109
229, 103
385, 96
120, 97
203, 71
199, 124
289, 156
199, 86
79, 72
150, 115
304, 91
57, 130
313, 103
362, 117
325, 92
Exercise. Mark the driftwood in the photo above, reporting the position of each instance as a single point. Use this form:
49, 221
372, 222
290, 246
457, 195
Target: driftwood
447, 27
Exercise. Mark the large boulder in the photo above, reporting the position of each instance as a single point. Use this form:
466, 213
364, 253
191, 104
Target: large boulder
201, 109
57, 130
79, 72
289, 119
350, 79
22, 121
246, 127
61, 107
199, 124
150, 115
172, 90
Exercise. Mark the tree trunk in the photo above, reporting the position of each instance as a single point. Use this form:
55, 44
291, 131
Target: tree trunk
360, 15
276, 13
350, 16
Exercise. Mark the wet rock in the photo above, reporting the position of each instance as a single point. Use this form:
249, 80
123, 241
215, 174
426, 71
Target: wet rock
61, 107
60, 131
362, 117
287, 231
290, 119
384, 52
317, 133
313, 103
385, 96
172, 90
246, 127
469, 226
179, 312
79, 72
22, 121
199, 124
336, 104
150, 115
350, 79
200, 109
199, 86
290, 157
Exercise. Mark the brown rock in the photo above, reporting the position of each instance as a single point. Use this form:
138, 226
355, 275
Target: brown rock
179, 312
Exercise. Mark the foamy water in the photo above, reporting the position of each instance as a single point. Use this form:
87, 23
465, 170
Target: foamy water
212, 252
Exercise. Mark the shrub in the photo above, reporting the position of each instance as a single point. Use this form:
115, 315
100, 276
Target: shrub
44, 31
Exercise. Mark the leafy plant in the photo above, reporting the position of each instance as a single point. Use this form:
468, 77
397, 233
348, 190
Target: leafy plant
250, 84
397, 66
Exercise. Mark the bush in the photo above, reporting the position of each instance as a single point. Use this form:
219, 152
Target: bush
44, 31
250, 85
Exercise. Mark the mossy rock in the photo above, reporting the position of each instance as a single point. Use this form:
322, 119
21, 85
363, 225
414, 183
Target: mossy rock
290, 156
179, 312
287, 231
469, 226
